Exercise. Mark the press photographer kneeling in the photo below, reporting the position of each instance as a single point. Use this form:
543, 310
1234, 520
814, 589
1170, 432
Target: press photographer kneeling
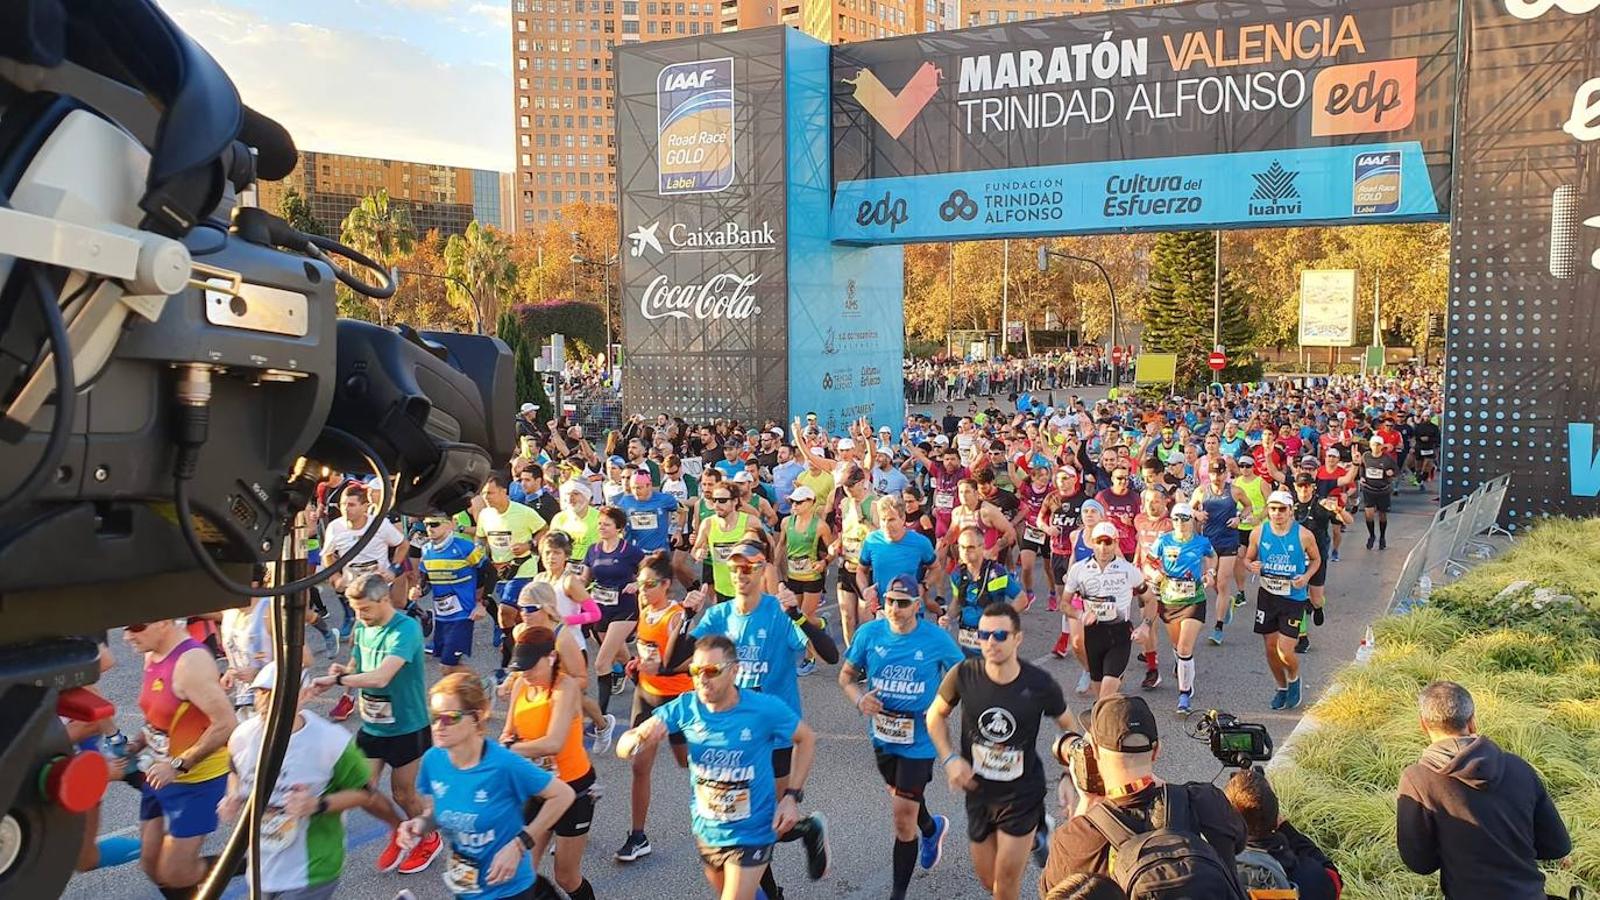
1176, 840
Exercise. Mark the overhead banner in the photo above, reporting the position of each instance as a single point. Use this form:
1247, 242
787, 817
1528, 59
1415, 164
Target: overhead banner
1522, 363
700, 162
1327, 307
1195, 115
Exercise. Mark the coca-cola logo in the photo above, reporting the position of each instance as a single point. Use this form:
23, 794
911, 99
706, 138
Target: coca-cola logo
725, 296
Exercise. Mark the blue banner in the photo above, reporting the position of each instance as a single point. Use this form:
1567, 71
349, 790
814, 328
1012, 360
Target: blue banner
1346, 184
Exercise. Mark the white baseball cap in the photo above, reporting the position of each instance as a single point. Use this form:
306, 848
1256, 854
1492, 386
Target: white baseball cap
1282, 497
846, 444
802, 494
1103, 530
1183, 509
529, 407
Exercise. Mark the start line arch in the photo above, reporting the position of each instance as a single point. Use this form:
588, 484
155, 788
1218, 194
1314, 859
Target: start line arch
767, 180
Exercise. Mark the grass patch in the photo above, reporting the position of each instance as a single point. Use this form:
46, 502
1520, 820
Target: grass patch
1533, 666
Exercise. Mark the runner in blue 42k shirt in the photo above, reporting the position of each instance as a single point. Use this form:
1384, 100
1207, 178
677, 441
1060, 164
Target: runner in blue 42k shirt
649, 514
737, 809
904, 660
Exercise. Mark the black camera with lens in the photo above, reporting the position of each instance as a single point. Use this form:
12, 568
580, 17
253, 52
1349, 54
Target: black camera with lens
1234, 743
1076, 752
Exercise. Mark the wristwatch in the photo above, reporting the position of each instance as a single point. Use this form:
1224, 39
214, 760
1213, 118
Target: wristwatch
179, 764
798, 794
322, 806
526, 839
339, 679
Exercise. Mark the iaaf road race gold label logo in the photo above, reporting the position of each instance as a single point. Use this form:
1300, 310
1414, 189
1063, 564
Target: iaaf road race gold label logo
695, 112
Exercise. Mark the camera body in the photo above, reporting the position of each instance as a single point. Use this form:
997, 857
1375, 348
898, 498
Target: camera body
1076, 752
1235, 743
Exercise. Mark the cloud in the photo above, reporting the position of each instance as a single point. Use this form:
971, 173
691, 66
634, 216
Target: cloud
343, 91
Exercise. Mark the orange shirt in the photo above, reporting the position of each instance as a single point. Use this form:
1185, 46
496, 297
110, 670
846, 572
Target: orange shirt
530, 720
655, 630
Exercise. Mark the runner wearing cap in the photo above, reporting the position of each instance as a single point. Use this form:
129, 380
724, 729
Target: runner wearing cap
1284, 555
1334, 478
576, 608
1003, 700
1091, 514
1377, 471
1220, 506
902, 658
805, 539
1121, 503
856, 515
1105, 586
1318, 516
323, 774
508, 531
768, 632
544, 724
612, 567
976, 583
452, 570
1058, 516
735, 737
1151, 523
1426, 456
1184, 565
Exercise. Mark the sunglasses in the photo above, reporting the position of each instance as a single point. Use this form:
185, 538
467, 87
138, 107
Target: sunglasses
453, 716
1105, 542
901, 602
1183, 518
721, 499
650, 582
1278, 507
135, 629
711, 671
746, 568
530, 609
1000, 635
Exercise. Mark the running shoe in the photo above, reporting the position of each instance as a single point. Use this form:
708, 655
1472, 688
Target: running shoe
342, 710
635, 846
814, 837
1291, 695
1317, 616
1303, 645
390, 857
1041, 842
602, 738
499, 677
495, 636
806, 667
1371, 539
423, 854
1280, 698
1238, 597
1152, 679
932, 846
1050, 602
618, 682
1216, 637
1063, 645
1383, 543
1083, 683
1334, 557
1184, 698
1027, 601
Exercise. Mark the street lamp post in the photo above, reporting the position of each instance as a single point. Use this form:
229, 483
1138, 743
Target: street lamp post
605, 267
395, 273
1116, 314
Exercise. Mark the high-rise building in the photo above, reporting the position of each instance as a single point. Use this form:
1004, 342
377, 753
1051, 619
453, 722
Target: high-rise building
447, 198
561, 60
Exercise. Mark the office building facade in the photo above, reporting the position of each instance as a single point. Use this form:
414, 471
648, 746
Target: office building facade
446, 198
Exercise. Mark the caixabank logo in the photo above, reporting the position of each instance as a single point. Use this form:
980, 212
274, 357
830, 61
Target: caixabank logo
894, 111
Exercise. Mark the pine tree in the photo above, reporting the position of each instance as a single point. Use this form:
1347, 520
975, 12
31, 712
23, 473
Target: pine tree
525, 353
1178, 309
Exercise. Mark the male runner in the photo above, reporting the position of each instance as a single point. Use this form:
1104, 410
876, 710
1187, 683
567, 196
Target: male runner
1107, 584
1317, 515
1284, 555
1377, 470
1002, 701
902, 658
509, 531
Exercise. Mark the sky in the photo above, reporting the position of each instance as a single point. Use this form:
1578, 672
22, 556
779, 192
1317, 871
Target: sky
419, 80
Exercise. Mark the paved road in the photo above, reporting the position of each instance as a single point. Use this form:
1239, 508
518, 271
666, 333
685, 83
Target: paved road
845, 784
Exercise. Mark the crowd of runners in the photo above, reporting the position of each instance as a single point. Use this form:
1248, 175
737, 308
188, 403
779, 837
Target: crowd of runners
704, 570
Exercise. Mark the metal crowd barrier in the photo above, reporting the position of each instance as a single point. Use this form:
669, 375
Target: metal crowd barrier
1443, 550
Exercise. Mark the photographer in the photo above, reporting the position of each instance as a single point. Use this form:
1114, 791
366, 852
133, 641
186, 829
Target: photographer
1121, 799
1303, 865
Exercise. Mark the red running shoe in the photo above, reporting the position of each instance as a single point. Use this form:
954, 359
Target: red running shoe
423, 854
1063, 645
342, 710
390, 857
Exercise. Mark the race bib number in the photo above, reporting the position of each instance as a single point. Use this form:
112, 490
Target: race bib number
722, 801
376, 711
1276, 584
643, 521
649, 652
1374, 473
278, 830
604, 596
722, 552
1104, 609
461, 875
893, 728
802, 565
968, 638
1180, 589
1032, 535
995, 762
943, 500
447, 605
1425, 452
499, 546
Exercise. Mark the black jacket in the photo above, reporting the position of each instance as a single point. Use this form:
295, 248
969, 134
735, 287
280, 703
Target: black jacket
1303, 861
1481, 818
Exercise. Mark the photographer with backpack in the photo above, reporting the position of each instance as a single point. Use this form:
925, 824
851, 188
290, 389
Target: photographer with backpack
1278, 861
1154, 839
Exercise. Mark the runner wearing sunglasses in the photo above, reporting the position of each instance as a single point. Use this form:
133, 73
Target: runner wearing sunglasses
1184, 565
1106, 585
740, 806
1002, 700
902, 658
1284, 554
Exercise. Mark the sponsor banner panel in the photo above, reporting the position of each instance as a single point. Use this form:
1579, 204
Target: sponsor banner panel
1368, 183
1327, 307
1522, 337
1198, 89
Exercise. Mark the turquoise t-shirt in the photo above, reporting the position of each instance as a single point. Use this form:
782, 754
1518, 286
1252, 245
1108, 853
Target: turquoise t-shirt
479, 810
905, 670
401, 707
734, 795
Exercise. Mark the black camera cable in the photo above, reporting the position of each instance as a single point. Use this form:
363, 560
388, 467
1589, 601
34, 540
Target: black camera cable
66, 383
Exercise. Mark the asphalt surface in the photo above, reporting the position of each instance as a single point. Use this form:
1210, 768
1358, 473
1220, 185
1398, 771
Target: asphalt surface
844, 784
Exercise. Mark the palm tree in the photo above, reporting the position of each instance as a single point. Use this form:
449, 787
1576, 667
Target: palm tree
480, 259
380, 230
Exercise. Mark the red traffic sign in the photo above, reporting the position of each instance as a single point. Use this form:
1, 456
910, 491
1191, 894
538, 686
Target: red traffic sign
1217, 360
1116, 355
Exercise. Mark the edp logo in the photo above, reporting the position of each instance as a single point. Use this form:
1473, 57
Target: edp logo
888, 211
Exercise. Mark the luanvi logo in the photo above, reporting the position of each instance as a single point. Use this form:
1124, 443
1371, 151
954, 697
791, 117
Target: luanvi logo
1275, 193
895, 111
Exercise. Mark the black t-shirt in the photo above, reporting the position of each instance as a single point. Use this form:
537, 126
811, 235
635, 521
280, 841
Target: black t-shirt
1427, 436
949, 424
1316, 518
1000, 725
1065, 517
1078, 847
1007, 503
1377, 473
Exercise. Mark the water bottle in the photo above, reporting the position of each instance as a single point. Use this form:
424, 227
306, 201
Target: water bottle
1369, 642
115, 747
1424, 588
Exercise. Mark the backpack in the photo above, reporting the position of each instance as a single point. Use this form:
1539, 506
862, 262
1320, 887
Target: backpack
1263, 876
1171, 861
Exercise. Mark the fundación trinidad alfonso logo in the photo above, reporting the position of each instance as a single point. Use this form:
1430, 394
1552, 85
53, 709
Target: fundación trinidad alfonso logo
895, 111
